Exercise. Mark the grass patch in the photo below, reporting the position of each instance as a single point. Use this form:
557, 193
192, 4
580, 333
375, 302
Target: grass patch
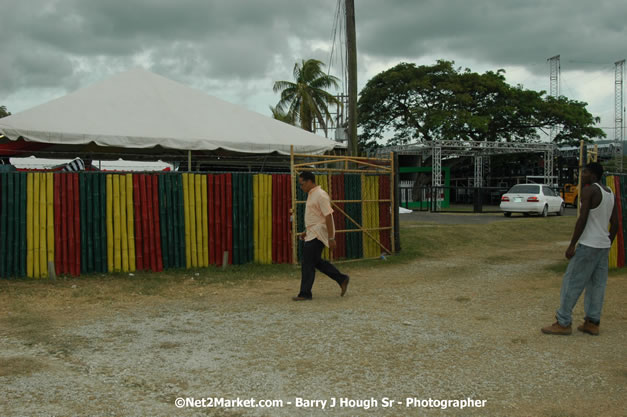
20, 366
444, 240
169, 345
560, 268
436, 242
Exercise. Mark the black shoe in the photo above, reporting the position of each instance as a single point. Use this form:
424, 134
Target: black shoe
344, 286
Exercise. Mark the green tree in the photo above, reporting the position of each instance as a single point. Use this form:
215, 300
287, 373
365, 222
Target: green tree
408, 103
277, 114
4, 112
306, 99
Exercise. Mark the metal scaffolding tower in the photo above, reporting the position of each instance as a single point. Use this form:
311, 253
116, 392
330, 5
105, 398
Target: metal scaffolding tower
436, 173
554, 88
478, 171
619, 71
548, 167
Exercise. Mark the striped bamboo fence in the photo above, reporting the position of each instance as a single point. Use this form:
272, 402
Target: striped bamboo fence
85, 223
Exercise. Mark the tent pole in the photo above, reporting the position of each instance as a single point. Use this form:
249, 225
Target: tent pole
189, 161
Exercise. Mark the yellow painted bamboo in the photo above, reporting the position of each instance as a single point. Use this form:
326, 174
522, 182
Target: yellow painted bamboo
130, 217
200, 236
117, 241
43, 236
30, 257
110, 244
205, 222
123, 224
613, 260
36, 231
188, 240
256, 197
192, 219
50, 217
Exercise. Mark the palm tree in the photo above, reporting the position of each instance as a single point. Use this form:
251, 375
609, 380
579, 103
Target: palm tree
306, 99
280, 115
4, 112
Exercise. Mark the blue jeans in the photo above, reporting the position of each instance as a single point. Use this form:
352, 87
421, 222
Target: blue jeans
587, 269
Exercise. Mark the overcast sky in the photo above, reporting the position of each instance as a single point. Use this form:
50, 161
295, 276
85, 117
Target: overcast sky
235, 49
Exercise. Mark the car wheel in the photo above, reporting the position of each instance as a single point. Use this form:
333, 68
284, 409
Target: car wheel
526, 214
507, 214
562, 209
545, 211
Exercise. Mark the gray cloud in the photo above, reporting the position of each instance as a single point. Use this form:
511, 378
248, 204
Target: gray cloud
503, 32
239, 47
220, 39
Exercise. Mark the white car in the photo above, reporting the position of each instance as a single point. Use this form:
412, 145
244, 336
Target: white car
532, 198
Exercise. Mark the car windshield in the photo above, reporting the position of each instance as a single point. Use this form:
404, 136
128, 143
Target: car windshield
525, 189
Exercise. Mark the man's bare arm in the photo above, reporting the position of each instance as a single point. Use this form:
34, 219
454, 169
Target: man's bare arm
330, 225
586, 200
614, 221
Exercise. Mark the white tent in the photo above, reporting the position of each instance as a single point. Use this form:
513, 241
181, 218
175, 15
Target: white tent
139, 109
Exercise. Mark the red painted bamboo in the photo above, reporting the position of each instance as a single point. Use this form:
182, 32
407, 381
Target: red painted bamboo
210, 214
228, 187
139, 241
57, 224
145, 222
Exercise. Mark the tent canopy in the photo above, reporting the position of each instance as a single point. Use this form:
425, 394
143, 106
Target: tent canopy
139, 109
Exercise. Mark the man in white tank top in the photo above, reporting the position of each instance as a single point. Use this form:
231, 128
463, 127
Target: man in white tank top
588, 264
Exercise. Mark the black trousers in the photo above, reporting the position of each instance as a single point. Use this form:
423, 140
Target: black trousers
312, 260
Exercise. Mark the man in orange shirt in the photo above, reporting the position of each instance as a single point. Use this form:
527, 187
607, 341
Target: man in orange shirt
319, 232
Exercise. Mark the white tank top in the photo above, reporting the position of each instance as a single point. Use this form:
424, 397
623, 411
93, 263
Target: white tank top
596, 234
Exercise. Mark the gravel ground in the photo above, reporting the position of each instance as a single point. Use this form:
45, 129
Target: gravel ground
463, 327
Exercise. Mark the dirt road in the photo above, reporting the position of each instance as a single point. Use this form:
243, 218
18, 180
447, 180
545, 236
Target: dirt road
449, 328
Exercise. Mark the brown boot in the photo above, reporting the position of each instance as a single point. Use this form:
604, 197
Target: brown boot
589, 327
557, 329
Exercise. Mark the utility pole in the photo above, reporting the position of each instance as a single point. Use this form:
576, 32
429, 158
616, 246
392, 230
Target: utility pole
351, 50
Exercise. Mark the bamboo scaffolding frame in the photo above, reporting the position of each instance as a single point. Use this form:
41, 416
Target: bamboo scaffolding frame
365, 158
344, 261
355, 171
328, 159
368, 164
308, 164
345, 160
373, 229
362, 229
352, 201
